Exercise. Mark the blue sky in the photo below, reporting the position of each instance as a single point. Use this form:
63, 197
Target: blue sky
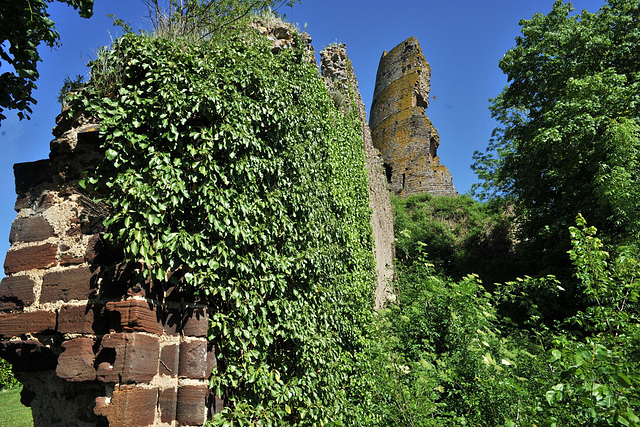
463, 40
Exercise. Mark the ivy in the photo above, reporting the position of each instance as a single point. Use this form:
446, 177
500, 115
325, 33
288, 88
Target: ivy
230, 173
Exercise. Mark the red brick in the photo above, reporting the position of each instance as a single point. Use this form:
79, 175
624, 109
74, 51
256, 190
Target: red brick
133, 316
193, 359
66, 285
76, 361
167, 402
169, 360
29, 258
81, 319
192, 405
30, 229
130, 406
14, 324
128, 358
16, 292
215, 404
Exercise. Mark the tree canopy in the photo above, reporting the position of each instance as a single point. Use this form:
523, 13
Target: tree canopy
569, 135
24, 25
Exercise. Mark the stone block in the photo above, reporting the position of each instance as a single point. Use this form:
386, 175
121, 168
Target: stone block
197, 324
81, 319
193, 359
215, 404
191, 408
16, 292
28, 355
66, 285
133, 316
31, 174
212, 360
127, 358
169, 360
167, 402
16, 324
76, 363
130, 406
29, 258
30, 229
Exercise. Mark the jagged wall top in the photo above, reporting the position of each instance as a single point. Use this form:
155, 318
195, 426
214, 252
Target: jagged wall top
402, 132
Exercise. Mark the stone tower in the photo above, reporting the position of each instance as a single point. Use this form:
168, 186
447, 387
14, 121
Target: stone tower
402, 132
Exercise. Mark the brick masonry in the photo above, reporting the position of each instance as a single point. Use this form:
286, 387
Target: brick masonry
91, 344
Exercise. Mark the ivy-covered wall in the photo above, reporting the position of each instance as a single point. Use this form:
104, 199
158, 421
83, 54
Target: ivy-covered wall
227, 177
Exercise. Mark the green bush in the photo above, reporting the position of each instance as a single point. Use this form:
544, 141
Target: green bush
7, 380
459, 234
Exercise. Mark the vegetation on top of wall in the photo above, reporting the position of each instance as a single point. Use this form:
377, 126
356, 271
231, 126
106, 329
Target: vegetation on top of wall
230, 173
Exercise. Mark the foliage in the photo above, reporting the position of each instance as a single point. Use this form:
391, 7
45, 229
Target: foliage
569, 139
231, 174
440, 359
24, 25
460, 235
200, 19
599, 375
7, 381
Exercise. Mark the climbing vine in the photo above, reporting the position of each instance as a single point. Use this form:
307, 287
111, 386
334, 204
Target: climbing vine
230, 173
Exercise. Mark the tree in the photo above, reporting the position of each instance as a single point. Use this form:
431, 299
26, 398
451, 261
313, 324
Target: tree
24, 25
569, 135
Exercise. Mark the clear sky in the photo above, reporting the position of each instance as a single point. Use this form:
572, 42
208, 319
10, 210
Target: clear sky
463, 40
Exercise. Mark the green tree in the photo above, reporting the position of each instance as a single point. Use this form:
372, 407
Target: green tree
569, 135
24, 25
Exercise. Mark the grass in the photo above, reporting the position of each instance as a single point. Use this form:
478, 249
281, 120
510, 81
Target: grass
12, 412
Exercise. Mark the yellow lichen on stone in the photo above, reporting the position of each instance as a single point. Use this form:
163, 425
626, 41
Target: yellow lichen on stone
400, 128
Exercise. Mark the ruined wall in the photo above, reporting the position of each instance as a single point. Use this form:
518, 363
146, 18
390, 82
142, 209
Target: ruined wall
91, 344
341, 82
400, 129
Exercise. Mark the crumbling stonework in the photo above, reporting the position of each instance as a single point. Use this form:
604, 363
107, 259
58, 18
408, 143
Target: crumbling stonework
402, 132
342, 84
90, 343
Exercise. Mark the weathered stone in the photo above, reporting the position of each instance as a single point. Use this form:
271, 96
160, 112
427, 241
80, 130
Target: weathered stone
66, 285
196, 324
400, 129
191, 409
212, 360
30, 229
28, 355
36, 322
30, 258
81, 319
130, 406
193, 359
127, 358
16, 292
76, 361
133, 316
167, 402
31, 174
169, 360
338, 75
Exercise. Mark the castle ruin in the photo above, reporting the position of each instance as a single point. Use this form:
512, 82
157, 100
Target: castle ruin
400, 129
